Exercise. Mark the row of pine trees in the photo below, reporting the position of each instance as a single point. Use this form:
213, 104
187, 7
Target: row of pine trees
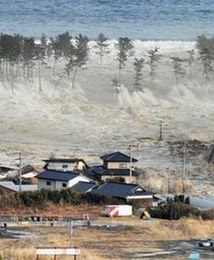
24, 58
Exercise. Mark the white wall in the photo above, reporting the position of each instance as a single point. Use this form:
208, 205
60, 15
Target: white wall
57, 185
70, 166
59, 166
118, 165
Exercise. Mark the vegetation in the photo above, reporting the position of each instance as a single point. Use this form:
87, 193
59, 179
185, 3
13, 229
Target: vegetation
23, 59
175, 209
208, 214
138, 66
124, 51
178, 69
102, 46
206, 54
154, 58
40, 199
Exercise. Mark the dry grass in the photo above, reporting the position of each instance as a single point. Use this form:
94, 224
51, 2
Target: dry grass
186, 187
104, 244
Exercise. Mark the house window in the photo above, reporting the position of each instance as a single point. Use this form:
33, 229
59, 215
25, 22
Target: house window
48, 183
64, 185
122, 165
64, 166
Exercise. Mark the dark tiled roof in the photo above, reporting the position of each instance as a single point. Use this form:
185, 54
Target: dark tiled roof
63, 160
57, 175
117, 157
83, 186
101, 170
120, 190
143, 193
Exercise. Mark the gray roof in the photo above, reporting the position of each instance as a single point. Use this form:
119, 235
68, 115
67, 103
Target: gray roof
121, 190
117, 157
63, 160
57, 175
102, 170
82, 186
12, 186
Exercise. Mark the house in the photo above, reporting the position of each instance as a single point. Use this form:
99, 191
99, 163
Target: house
30, 177
125, 191
9, 187
7, 171
84, 186
54, 180
62, 164
115, 165
6, 168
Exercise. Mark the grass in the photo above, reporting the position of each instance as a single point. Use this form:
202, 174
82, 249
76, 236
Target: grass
104, 244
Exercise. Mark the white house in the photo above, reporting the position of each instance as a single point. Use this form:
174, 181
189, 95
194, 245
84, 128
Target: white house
60, 164
55, 180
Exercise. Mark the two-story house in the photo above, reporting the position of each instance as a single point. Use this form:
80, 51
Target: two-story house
61, 173
56, 180
62, 164
115, 165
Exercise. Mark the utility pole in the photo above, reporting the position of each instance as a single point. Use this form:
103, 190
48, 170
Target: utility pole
184, 164
130, 170
71, 232
161, 131
168, 179
20, 171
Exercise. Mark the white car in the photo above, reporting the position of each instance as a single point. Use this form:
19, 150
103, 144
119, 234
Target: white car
205, 243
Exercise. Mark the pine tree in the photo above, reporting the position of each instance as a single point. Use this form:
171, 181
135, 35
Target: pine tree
124, 51
191, 59
102, 46
178, 69
206, 54
138, 66
154, 58
78, 56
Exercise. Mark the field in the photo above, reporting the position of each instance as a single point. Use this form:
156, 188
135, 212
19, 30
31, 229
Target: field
177, 238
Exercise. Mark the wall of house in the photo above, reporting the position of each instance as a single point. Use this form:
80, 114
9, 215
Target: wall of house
128, 179
61, 166
118, 165
58, 166
58, 185
42, 184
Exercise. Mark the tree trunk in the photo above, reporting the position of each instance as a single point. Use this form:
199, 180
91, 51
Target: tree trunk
39, 74
74, 77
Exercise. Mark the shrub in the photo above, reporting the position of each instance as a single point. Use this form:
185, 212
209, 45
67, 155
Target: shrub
175, 209
207, 214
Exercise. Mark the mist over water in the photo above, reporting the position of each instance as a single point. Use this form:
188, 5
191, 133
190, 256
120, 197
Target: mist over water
137, 19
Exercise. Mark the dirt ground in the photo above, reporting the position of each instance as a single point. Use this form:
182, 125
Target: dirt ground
176, 238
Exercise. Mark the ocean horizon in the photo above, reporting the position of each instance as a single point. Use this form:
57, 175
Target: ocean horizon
138, 19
